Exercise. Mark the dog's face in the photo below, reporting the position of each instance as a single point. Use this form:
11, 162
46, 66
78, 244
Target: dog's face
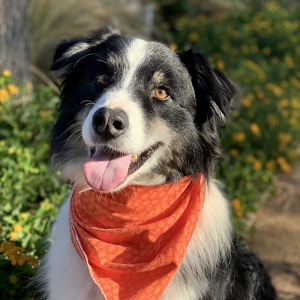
135, 112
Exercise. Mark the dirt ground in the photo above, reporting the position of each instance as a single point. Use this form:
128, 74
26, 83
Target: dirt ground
275, 235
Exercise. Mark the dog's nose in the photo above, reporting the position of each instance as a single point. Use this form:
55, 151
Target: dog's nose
110, 123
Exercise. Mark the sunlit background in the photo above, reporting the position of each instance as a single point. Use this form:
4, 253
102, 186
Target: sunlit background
255, 42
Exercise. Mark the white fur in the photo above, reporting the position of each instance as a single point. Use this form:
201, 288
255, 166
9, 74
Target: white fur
135, 56
135, 138
79, 47
69, 278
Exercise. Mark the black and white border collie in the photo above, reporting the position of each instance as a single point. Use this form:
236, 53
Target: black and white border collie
124, 95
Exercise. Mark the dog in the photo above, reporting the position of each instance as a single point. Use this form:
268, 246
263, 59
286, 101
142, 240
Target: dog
137, 116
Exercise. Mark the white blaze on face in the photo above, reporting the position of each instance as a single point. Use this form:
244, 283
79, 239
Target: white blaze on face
120, 97
106, 171
135, 56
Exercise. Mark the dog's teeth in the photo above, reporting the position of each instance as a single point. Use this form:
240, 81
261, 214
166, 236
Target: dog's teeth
134, 157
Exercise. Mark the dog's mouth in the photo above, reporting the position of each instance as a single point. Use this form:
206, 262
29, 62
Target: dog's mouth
106, 169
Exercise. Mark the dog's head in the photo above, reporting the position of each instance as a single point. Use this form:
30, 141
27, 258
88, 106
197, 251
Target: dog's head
136, 112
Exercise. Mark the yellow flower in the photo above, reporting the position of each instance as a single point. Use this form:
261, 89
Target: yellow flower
13, 236
237, 207
4, 95
44, 113
267, 51
234, 152
13, 89
250, 158
261, 95
21, 260
247, 101
255, 129
284, 139
239, 136
283, 103
17, 228
271, 6
11, 150
295, 82
256, 68
221, 64
280, 159
13, 279
32, 261
24, 215
295, 103
193, 36
270, 165
16, 254
284, 166
235, 113
289, 61
173, 46
275, 89
293, 121
46, 204
257, 165
6, 73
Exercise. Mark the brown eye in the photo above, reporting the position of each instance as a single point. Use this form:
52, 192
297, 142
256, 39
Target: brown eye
103, 79
161, 93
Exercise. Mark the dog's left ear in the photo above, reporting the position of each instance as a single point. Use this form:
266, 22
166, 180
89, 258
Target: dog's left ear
70, 52
213, 89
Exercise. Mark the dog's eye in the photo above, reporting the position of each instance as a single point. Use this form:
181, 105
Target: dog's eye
161, 93
103, 79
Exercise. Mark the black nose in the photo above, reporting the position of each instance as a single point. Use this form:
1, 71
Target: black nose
110, 123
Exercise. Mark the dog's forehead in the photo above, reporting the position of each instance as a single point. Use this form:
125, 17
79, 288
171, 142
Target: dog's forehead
133, 53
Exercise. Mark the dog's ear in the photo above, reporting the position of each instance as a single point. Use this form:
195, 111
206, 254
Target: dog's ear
69, 52
213, 89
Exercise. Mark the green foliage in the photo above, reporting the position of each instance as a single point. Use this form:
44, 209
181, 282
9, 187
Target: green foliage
29, 193
260, 50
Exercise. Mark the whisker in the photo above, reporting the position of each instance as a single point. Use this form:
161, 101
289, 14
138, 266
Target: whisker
69, 128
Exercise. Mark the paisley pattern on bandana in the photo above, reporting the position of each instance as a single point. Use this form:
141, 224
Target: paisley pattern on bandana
134, 240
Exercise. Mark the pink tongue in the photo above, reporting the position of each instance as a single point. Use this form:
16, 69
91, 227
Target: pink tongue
104, 171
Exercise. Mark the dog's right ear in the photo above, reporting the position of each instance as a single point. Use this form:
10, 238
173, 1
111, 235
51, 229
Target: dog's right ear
69, 52
213, 90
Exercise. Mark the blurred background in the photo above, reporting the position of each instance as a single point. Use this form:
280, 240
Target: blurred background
255, 42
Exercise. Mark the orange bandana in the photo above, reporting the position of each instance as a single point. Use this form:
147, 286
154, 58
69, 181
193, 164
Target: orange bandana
134, 240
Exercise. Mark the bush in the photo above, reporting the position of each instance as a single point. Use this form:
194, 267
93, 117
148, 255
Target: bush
260, 50
26, 185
